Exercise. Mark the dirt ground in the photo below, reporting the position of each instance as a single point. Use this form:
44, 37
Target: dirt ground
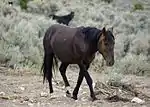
24, 89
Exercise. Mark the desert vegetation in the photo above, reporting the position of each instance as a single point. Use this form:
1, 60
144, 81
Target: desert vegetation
24, 23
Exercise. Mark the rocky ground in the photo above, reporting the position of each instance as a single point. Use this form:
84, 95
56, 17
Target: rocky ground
22, 88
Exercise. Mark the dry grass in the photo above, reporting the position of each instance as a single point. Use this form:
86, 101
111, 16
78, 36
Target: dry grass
22, 32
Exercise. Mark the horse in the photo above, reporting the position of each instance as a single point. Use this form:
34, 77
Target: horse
63, 19
76, 45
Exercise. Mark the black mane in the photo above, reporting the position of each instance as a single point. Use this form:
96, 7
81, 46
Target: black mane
92, 34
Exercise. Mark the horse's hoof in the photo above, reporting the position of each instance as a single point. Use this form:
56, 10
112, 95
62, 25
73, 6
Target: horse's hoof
94, 98
74, 97
51, 91
68, 94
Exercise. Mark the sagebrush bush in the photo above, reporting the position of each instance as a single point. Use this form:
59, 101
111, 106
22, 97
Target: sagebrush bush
23, 4
107, 1
22, 32
138, 6
45, 7
20, 44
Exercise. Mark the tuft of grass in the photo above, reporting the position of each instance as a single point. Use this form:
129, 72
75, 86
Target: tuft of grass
138, 6
107, 1
23, 4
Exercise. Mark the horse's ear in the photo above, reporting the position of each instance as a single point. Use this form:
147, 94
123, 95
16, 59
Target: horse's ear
103, 30
111, 29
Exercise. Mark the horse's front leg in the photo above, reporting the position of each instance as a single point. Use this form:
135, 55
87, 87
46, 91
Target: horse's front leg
88, 80
83, 72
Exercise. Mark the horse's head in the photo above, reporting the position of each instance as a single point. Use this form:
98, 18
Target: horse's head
106, 46
72, 14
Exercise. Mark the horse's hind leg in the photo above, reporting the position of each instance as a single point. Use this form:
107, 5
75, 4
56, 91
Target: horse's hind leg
62, 69
80, 79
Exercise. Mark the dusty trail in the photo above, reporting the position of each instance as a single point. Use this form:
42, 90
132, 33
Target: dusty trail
23, 89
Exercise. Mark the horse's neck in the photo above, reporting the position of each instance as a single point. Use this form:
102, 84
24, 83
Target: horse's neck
93, 48
91, 35
91, 38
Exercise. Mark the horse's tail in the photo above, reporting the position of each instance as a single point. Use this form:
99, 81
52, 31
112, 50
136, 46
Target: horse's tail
47, 70
43, 68
55, 67
48, 60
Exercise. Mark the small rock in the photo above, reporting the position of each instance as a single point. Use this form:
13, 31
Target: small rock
30, 104
137, 100
25, 98
2, 93
14, 101
22, 101
84, 99
84, 92
33, 101
60, 83
119, 90
43, 94
14, 97
17, 92
22, 88
76, 100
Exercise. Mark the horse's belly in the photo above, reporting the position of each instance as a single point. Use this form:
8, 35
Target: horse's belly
63, 54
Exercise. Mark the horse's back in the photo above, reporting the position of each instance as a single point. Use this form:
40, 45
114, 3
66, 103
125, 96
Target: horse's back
64, 42
61, 33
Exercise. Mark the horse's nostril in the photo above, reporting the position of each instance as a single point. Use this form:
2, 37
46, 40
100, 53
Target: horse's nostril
109, 63
112, 63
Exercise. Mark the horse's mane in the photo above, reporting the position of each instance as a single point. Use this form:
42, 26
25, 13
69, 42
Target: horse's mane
92, 34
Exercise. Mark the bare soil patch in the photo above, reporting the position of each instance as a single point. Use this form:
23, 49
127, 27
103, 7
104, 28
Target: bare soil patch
25, 89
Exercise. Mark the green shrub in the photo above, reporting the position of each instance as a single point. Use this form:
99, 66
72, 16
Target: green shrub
107, 1
138, 6
23, 4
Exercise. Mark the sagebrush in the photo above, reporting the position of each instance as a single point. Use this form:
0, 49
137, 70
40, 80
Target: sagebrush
22, 31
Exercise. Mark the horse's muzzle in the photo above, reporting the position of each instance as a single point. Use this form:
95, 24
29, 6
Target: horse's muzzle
110, 63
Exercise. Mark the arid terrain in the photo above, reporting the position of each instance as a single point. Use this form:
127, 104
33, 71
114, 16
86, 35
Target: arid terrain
22, 27
26, 89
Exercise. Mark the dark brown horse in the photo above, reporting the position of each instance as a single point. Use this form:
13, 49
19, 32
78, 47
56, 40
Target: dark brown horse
76, 46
